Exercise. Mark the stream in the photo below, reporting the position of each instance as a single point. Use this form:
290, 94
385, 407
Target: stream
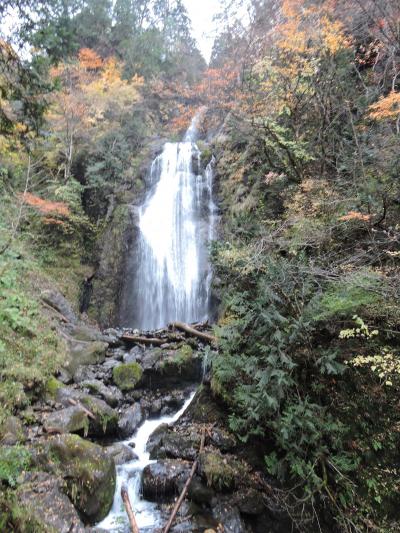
147, 514
172, 282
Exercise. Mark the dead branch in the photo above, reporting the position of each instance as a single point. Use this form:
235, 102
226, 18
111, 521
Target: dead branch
185, 488
191, 331
129, 510
142, 340
86, 411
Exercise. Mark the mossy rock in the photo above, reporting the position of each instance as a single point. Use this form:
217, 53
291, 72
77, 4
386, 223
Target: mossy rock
222, 473
87, 469
179, 360
52, 386
127, 376
85, 353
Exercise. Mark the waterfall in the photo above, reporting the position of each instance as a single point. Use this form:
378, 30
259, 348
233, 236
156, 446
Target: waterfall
172, 275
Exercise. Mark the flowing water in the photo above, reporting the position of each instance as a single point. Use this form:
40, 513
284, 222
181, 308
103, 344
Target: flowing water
147, 514
171, 269
172, 282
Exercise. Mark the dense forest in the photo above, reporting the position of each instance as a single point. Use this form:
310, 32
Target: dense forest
300, 121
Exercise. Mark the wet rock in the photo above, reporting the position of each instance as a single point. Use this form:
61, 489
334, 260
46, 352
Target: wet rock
249, 501
127, 376
130, 420
182, 444
12, 431
42, 496
230, 518
110, 274
88, 470
162, 481
200, 493
121, 453
57, 301
111, 395
222, 439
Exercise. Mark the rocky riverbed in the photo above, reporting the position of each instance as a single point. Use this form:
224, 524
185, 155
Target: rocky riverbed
108, 386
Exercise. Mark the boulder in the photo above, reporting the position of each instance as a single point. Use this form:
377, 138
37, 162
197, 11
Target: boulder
230, 518
222, 472
249, 501
83, 332
130, 420
163, 481
72, 419
169, 368
199, 492
58, 302
121, 453
42, 497
12, 431
111, 395
75, 419
126, 376
89, 473
176, 444
85, 353
135, 355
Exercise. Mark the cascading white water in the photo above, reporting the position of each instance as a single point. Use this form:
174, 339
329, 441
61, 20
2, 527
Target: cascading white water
147, 514
172, 275
171, 281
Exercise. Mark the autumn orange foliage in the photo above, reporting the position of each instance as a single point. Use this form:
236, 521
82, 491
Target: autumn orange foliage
89, 59
355, 215
46, 207
387, 107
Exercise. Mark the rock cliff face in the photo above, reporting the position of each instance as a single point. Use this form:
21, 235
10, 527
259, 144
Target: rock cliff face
104, 291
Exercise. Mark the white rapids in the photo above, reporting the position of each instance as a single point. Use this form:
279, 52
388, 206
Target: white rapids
147, 514
172, 272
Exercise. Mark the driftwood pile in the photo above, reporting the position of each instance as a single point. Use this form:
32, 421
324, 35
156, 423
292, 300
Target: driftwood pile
176, 331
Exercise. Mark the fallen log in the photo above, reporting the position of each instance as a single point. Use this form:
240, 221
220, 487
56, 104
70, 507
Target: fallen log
142, 340
185, 488
191, 331
129, 510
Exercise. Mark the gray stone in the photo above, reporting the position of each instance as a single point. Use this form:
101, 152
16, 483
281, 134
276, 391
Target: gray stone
57, 301
121, 453
134, 356
162, 481
72, 419
88, 469
104, 423
110, 364
111, 395
84, 353
229, 516
130, 420
42, 496
12, 431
